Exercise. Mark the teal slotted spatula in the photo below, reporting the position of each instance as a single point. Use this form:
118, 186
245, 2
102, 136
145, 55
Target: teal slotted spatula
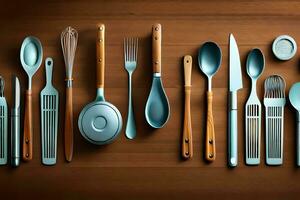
49, 117
3, 125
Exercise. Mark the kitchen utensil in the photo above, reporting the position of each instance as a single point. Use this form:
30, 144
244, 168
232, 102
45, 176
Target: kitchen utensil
294, 96
3, 125
100, 122
274, 101
130, 57
235, 83
255, 66
284, 47
15, 123
49, 117
157, 111
187, 142
69, 39
31, 57
209, 60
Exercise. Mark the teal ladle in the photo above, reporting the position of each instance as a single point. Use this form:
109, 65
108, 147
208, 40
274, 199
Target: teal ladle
157, 109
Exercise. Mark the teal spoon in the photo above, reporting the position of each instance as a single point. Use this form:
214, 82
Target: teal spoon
157, 111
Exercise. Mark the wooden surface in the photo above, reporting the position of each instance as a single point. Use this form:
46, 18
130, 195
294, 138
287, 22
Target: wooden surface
150, 166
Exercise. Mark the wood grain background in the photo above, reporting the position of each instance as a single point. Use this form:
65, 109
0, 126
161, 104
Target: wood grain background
150, 166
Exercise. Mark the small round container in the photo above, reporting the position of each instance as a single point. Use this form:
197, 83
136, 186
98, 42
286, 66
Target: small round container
284, 47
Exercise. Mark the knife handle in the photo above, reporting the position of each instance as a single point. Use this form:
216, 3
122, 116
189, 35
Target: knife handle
156, 48
232, 136
187, 143
15, 137
28, 129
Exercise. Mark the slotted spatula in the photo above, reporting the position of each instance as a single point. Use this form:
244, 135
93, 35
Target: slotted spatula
49, 117
3, 125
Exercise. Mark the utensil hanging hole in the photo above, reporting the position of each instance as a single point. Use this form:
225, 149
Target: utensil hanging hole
210, 141
186, 140
211, 155
49, 62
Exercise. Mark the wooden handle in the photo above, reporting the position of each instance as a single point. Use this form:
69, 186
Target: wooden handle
187, 143
156, 48
28, 129
100, 55
69, 125
210, 153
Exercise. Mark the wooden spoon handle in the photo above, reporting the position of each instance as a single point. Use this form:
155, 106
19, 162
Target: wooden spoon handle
156, 48
69, 125
28, 129
210, 151
100, 55
187, 143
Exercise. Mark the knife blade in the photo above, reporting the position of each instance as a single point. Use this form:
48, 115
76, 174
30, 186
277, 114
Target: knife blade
235, 83
15, 123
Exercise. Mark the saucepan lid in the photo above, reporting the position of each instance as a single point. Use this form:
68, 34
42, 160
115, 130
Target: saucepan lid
100, 122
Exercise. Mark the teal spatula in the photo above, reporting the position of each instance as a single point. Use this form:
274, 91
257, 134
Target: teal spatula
49, 117
3, 125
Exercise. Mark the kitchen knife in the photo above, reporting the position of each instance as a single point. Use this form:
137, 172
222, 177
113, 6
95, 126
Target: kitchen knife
235, 83
15, 124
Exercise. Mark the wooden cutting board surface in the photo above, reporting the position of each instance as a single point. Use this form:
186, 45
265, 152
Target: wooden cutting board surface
150, 166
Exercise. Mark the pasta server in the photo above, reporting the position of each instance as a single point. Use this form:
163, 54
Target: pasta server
255, 66
49, 117
3, 125
274, 101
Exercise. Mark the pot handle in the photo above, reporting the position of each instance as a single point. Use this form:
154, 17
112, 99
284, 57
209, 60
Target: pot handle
100, 55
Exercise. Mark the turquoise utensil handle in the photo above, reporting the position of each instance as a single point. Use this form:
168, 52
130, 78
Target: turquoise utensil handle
49, 69
130, 126
232, 135
298, 143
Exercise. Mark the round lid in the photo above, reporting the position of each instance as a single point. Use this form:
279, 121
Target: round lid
100, 122
284, 47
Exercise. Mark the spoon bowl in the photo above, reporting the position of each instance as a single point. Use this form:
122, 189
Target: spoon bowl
31, 55
255, 63
157, 110
209, 58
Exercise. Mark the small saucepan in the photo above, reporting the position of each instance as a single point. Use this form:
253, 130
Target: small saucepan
100, 122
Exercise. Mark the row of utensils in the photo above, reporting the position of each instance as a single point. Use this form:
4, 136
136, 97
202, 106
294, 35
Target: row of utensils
100, 122
31, 57
209, 61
